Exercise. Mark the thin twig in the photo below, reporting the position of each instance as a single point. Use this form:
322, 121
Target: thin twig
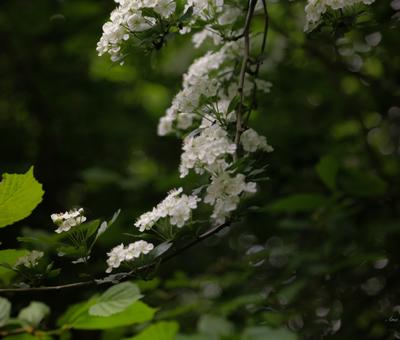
260, 59
168, 257
246, 55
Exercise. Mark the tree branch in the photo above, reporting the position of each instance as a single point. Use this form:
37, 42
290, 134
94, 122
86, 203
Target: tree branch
164, 259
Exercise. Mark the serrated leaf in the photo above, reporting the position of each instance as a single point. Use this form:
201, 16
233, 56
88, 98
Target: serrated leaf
298, 203
116, 299
5, 309
164, 330
327, 169
34, 313
9, 257
19, 195
138, 312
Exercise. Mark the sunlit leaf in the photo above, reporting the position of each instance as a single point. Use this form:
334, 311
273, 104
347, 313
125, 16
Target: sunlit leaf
34, 313
160, 331
116, 299
5, 309
9, 257
138, 312
19, 195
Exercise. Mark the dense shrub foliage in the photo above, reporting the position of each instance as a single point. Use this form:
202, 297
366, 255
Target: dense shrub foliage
158, 209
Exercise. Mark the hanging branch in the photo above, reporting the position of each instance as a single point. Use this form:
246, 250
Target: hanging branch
239, 127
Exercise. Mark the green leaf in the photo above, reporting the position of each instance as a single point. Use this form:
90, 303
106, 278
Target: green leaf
161, 249
5, 309
159, 331
19, 195
327, 169
116, 299
234, 103
75, 312
9, 257
263, 333
298, 203
34, 313
87, 229
363, 185
138, 312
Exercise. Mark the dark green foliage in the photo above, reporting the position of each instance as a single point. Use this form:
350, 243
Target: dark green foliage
318, 254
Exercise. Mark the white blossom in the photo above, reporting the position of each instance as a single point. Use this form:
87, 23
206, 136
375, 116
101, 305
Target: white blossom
223, 193
316, 8
252, 141
203, 79
203, 150
205, 9
120, 253
208, 32
65, 221
229, 15
128, 17
176, 206
165, 7
31, 260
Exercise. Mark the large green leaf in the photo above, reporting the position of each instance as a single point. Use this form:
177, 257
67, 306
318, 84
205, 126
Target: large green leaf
298, 203
19, 195
34, 313
75, 312
164, 330
327, 169
5, 309
116, 299
9, 256
138, 312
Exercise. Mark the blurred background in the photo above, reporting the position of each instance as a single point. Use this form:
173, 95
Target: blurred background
318, 256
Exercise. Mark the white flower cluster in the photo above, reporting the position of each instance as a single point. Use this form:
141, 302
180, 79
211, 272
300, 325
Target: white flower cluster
207, 78
177, 206
252, 141
203, 79
128, 18
202, 152
204, 110
121, 253
316, 8
31, 260
223, 193
65, 221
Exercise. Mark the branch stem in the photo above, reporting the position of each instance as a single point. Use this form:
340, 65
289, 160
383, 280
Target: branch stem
246, 56
166, 258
